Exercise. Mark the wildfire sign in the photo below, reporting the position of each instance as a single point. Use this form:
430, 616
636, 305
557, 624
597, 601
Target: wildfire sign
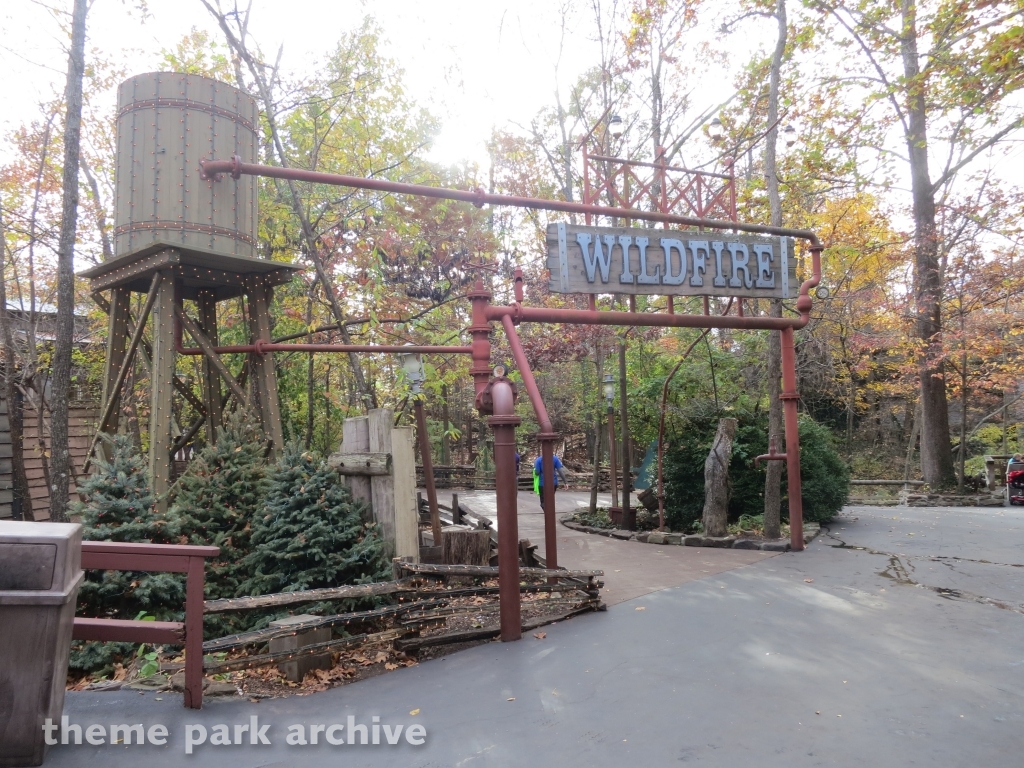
665, 262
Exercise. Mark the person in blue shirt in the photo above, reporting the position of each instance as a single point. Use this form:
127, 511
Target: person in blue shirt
538, 474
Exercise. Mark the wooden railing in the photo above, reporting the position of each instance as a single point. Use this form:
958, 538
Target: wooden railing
167, 558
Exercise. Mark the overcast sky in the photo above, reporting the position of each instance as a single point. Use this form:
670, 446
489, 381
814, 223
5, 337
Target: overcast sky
473, 63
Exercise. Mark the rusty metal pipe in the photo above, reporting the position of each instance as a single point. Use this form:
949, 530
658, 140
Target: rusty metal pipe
546, 437
504, 423
588, 317
211, 169
790, 397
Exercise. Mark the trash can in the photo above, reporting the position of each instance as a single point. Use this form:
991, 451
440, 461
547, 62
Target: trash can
40, 572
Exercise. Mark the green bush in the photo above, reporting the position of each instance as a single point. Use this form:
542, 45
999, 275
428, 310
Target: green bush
825, 476
218, 498
118, 506
310, 533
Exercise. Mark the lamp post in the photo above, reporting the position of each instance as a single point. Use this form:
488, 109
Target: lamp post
609, 396
412, 365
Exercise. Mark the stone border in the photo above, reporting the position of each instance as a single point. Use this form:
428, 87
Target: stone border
693, 539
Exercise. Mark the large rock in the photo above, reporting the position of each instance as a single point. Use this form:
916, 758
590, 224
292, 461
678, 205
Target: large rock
720, 542
780, 545
656, 537
746, 544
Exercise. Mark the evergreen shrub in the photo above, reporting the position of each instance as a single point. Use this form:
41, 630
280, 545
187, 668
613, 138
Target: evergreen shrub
119, 506
824, 474
310, 532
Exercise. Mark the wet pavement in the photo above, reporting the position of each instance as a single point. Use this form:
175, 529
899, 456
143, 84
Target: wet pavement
896, 639
631, 569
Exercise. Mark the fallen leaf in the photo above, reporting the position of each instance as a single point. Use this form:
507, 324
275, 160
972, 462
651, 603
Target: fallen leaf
511, 698
540, 635
414, 711
809, 581
390, 666
641, 608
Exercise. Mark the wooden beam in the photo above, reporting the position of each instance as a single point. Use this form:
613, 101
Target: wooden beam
232, 604
211, 384
113, 396
208, 351
360, 464
119, 311
161, 388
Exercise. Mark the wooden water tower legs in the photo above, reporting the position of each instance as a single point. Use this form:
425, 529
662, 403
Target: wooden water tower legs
162, 305
207, 302
161, 389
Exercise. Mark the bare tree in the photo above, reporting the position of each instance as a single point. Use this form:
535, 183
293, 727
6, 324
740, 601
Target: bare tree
60, 455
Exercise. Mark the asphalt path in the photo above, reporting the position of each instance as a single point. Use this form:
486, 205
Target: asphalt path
895, 639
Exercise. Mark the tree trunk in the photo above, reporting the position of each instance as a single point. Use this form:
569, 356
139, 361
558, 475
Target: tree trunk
716, 480
310, 381
936, 456
60, 456
21, 501
962, 452
773, 474
465, 547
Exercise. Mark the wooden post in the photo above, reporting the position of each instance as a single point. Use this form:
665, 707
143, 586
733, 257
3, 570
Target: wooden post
403, 494
716, 479
355, 435
161, 389
264, 375
456, 514
211, 380
194, 632
117, 344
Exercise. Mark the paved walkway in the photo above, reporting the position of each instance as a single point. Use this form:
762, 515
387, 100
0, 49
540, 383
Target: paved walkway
896, 639
631, 569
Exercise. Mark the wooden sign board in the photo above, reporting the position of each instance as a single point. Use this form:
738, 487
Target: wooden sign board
669, 263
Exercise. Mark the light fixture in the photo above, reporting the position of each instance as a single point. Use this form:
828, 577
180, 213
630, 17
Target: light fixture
412, 365
715, 129
609, 388
789, 135
616, 127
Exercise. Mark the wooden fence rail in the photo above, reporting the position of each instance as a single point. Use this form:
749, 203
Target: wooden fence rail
167, 558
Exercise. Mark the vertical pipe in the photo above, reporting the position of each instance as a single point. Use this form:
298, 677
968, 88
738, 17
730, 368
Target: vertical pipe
547, 465
428, 469
480, 330
627, 510
504, 423
194, 632
789, 401
546, 436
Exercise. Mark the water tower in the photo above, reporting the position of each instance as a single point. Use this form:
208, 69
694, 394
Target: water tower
180, 238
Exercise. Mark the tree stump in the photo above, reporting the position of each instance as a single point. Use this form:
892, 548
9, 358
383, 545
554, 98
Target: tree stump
716, 480
465, 546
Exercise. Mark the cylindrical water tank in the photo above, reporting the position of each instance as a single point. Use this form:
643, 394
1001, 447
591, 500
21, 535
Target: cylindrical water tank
166, 123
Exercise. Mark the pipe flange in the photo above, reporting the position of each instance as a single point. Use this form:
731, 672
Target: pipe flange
258, 347
479, 197
545, 437
504, 421
236, 167
789, 396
